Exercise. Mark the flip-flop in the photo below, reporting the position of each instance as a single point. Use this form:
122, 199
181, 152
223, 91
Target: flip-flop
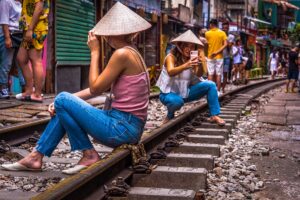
216, 121
74, 170
29, 99
18, 167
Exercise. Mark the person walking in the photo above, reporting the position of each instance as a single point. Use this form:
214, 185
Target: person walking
179, 82
227, 61
125, 72
34, 23
273, 63
237, 53
293, 70
217, 42
10, 38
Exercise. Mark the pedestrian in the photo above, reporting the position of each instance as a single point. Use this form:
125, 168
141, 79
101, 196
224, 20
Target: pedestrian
283, 62
34, 23
293, 70
273, 63
248, 65
237, 53
125, 73
227, 60
179, 82
217, 42
10, 38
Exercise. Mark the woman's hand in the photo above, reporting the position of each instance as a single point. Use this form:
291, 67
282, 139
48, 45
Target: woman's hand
93, 42
192, 62
51, 109
28, 35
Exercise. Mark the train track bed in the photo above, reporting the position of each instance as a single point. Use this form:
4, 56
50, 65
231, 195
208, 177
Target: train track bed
63, 158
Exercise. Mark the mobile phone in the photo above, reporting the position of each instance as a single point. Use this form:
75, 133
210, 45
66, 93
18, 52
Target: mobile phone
193, 54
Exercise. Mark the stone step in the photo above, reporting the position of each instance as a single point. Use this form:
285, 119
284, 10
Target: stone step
198, 148
189, 160
208, 139
212, 131
228, 112
225, 116
228, 108
227, 126
150, 193
175, 178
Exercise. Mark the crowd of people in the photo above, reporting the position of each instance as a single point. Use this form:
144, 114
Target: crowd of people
24, 28
216, 53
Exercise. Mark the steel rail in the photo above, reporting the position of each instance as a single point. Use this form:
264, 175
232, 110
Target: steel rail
92, 179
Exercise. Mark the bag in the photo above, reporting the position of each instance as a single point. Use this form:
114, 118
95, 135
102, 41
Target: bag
108, 102
16, 39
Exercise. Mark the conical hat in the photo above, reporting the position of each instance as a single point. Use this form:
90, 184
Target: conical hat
189, 37
120, 20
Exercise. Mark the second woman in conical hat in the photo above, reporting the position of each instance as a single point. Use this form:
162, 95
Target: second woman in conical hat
178, 81
124, 122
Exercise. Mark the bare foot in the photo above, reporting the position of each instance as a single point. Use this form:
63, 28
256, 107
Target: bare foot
33, 160
216, 119
166, 120
89, 157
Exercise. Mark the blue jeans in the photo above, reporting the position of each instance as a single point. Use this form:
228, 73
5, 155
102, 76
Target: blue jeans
78, 119
6, 59
174, 102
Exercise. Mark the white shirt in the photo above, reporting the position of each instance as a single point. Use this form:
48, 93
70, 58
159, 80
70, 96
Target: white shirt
274, 60
178, 84
10, 12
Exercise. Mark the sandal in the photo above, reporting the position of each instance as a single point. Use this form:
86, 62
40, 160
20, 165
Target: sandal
215, 119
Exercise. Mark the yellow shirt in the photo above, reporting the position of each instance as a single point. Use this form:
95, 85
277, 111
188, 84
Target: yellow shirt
215, 39
27, 13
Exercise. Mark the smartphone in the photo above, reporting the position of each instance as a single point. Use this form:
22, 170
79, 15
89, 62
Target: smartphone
193, 54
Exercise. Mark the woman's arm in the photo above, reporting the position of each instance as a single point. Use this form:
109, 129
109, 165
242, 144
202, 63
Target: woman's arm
174, 70
98, 83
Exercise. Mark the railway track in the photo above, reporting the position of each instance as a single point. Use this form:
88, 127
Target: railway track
193, 158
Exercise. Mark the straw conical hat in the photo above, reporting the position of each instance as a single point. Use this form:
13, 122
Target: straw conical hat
189, 37
120, 20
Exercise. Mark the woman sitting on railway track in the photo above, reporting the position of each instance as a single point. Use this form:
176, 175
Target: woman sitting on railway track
178, 82
124, 123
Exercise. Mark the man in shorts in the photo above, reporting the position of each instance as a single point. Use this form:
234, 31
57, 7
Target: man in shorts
34, 23
293, 70
217, 41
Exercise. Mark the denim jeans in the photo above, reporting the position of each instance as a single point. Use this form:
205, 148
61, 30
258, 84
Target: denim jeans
78, 119
174, 102
6, 59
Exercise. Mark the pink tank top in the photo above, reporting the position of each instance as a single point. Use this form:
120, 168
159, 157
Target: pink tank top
131, 95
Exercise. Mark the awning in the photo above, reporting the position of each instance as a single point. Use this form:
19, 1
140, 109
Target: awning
284, 4
257, 20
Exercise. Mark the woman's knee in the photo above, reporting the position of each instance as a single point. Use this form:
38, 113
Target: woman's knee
61, 98
176, 105
210, 84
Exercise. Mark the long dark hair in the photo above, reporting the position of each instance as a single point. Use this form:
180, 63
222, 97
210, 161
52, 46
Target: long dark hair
177, 54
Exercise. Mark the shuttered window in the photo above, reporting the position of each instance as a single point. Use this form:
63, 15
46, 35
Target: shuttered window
74, 18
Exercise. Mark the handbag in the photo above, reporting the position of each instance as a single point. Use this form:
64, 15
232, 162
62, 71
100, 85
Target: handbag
16, 39
108, 101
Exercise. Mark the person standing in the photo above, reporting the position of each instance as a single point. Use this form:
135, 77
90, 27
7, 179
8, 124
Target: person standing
34, 23
293, 71
273, 63
226, 56
217, 42
237, 53
10, 37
